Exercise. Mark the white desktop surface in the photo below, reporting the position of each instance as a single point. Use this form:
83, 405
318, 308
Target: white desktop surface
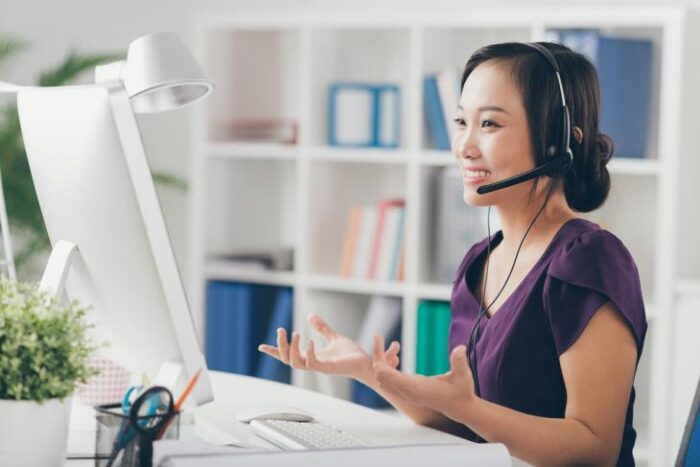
234, 393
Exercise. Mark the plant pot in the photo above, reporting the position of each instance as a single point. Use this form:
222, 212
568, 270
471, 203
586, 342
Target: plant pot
33, 434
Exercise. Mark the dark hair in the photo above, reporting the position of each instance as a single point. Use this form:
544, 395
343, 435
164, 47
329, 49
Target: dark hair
587, 184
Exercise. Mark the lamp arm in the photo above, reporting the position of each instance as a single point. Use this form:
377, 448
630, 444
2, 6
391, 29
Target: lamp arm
56, 271
109, 72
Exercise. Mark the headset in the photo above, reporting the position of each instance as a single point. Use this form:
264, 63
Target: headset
560, 164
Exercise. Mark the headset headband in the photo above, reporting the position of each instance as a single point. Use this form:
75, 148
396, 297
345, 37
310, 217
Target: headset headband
566, 127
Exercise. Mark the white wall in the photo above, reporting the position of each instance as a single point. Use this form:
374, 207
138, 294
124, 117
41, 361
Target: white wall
51, 29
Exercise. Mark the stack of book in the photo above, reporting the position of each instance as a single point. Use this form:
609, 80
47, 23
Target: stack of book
374, 242
433, 326
239, 317
261, 130
440, 100
277, 259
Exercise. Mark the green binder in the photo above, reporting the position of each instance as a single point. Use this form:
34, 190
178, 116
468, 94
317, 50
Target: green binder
441, 316
424, 332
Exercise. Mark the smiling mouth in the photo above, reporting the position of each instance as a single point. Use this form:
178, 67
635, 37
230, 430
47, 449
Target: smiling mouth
475, 175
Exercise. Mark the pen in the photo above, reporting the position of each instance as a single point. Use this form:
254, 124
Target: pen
180, 401
188, 389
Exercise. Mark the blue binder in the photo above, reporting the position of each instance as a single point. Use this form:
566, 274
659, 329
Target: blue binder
434, 116
383, 115
624, 70
387, 117
268, 367
236, 323
213, 336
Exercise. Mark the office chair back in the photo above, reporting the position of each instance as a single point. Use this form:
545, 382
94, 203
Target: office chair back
689, 453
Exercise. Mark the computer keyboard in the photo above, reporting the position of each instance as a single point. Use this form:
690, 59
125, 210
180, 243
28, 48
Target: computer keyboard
304, 435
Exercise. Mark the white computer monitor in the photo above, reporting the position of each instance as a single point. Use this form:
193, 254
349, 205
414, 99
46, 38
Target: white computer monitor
95, 190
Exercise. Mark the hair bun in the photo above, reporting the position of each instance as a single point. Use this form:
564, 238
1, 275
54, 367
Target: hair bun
604, 149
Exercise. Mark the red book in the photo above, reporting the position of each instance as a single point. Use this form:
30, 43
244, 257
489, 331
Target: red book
379, 233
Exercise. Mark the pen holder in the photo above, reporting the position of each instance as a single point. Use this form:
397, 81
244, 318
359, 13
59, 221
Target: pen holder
110, 419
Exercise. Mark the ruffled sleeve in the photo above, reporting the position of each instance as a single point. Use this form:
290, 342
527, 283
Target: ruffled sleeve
593, 268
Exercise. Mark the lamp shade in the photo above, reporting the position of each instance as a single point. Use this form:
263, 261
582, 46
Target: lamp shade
161, 74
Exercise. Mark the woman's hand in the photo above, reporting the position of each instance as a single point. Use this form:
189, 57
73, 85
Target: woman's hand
339, 356
450, 393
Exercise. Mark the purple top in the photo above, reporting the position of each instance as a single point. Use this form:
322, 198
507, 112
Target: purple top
518, 351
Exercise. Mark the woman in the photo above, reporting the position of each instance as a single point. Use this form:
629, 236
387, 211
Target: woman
553, 357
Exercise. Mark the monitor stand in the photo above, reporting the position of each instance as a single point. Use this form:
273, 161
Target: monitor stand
171, 374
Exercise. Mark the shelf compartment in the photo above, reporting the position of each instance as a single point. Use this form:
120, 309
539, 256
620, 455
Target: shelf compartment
256, 74
366, 55
338, 187
448, 225
250, 207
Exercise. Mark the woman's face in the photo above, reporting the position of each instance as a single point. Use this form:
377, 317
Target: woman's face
492, 139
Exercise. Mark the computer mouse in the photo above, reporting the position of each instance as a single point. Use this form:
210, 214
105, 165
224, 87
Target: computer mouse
274, 412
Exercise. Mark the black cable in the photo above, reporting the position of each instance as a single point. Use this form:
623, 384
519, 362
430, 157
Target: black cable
474, 337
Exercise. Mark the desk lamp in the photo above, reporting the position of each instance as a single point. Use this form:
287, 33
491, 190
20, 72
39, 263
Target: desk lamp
101, 209
159, 74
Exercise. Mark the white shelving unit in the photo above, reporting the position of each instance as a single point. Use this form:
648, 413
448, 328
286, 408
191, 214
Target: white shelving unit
268, 195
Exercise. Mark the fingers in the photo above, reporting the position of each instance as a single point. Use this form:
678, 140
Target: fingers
270, 350
321, 326
392, 355
296, 359
283, 345
458, 361
378, 353
394, 349
312, 362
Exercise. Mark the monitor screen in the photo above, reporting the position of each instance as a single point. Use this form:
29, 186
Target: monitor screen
95, 189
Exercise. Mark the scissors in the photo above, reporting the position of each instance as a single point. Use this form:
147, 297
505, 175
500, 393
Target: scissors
146, 416
131, 395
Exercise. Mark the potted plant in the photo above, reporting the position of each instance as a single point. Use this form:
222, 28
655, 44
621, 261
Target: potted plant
45, 346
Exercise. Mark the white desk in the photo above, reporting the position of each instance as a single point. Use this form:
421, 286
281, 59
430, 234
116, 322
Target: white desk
234, 393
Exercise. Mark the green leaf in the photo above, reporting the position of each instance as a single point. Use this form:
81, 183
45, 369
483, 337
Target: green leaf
74, 65
9, 47
169, 180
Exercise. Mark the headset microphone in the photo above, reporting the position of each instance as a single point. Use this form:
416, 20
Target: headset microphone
552, 167
564, 157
